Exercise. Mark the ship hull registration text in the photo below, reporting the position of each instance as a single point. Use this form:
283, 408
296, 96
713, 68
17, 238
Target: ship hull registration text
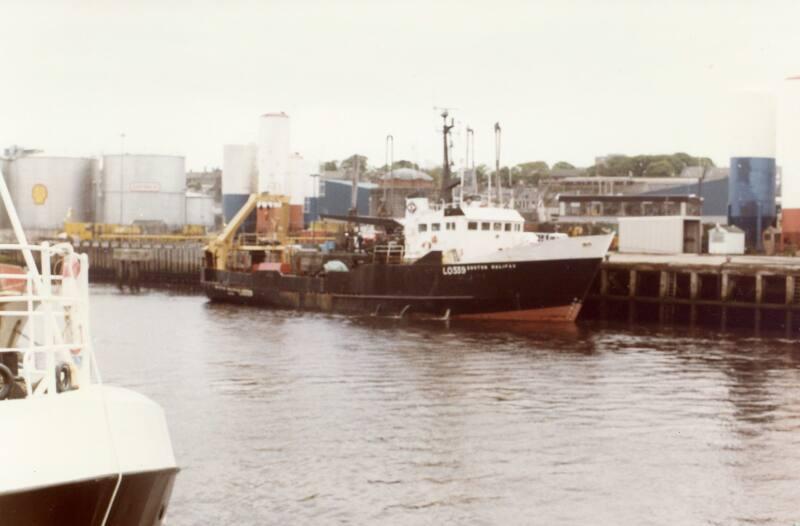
456, 270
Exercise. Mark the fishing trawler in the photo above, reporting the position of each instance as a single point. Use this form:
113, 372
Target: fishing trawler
454, 258
75, 451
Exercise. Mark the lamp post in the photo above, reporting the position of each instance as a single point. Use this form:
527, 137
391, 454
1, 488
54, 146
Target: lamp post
121, 177
389, 166
315, 209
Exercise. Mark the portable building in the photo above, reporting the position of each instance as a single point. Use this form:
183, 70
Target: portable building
660, 235
726, 239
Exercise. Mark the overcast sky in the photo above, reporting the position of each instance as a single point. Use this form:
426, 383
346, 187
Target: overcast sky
566, 80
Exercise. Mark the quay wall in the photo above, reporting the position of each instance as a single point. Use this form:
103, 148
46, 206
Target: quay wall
133, 264
726, 292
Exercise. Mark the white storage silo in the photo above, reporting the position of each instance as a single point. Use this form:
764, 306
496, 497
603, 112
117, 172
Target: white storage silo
49, 190
298, 179
238, 177
789, 158
200, 209
751, 178
143, 188
273, 154
752, 125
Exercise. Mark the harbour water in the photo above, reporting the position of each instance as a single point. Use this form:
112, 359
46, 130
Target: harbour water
285, 418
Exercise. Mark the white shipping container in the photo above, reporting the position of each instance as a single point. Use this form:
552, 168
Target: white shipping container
659, 235
725, 240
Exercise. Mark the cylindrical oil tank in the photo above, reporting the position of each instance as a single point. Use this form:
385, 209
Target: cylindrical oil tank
199, 209
47, 191
789, 158
135, 187
273, 154
752, 183
238, 177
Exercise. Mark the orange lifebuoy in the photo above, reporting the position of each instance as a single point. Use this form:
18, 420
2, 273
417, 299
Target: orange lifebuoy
412, 207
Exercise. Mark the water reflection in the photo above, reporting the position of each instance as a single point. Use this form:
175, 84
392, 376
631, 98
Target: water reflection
280, 417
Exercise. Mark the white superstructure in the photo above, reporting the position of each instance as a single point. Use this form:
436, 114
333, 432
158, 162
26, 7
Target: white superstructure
476, 233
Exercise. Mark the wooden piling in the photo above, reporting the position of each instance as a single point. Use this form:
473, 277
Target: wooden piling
790, 293
724, 290
759, 301
694, 292
632, 288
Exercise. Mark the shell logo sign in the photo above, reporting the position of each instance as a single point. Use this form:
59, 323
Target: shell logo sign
39, 194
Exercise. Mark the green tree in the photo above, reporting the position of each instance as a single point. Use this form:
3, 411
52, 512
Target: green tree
330, 166
531, 172
660, 168
563, 165
349, 164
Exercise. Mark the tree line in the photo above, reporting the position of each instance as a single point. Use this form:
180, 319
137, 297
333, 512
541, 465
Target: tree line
532, 172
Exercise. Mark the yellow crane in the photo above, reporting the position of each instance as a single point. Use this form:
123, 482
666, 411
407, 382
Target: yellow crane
218, 250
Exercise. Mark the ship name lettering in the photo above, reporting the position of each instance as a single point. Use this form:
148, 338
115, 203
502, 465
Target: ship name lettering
451, 271
457, 270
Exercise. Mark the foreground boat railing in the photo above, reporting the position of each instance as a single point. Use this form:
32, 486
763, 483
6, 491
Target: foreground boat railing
44, 321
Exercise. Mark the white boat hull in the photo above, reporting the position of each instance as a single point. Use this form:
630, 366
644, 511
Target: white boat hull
96, 455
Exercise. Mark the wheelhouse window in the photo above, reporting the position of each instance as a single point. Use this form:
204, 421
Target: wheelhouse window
507, 227
485, 226
498, 226
435, 227
472, 225
517, 227
450, 226
423, 227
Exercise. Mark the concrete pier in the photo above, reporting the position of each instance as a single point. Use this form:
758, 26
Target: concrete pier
751, 292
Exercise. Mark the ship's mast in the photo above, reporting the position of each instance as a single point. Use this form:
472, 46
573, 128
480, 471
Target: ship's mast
446, 190
497, 164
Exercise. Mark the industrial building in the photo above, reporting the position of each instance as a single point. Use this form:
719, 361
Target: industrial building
608, 209
710, 184
400, 184
335, 198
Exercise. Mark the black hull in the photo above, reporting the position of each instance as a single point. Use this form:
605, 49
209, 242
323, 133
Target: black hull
141, 500
525, 291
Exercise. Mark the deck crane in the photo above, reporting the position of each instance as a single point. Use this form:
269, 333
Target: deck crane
217, 251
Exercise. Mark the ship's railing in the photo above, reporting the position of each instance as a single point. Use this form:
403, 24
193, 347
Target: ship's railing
390, 254
44, 321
